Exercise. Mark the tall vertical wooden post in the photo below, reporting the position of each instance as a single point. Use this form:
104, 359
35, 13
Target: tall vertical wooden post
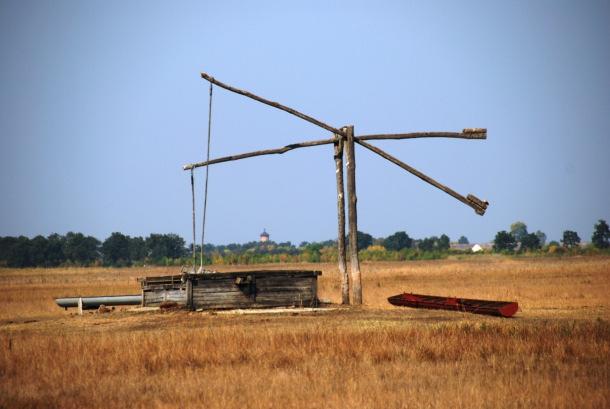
193, 197
339, 142
353, 216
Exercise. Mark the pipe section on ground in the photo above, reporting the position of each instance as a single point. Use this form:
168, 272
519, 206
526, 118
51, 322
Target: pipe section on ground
90, 303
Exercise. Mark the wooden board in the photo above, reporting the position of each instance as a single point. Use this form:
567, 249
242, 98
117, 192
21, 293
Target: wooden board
155, 297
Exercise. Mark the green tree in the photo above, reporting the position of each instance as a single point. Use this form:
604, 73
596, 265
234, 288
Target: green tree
504, 241
6, 248
541, 237
312, 252
115, 250
175, 245
518, 230
80, 249
398, 241
165, 246
363, 240
428, 244
38, 251
530, 242
55, 250
463, 240
443, 243
137, 249
19, 254
570, 239
601, 235
157, 248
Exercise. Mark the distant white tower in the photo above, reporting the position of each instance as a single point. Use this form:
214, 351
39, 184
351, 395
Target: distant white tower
264, 237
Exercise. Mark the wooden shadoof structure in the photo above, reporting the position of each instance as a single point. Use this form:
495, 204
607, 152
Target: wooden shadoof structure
344, 140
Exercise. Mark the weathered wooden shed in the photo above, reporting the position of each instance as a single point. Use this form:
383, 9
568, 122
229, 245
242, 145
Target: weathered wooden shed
242, 289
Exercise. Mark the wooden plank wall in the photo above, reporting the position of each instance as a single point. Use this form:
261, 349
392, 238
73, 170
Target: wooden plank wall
155, 290
255, 289
290, 290
152, 298
222, 292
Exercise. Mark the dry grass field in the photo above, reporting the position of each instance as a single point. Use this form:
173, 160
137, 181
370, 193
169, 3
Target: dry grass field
555, 353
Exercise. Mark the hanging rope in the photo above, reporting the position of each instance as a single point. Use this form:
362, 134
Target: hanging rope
194, 237
207, 172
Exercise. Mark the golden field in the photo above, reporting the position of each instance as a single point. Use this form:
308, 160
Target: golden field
555, 353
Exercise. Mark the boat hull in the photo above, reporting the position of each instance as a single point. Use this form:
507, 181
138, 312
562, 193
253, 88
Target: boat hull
504, 309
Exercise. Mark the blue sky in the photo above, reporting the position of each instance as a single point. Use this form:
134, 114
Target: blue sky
102, 104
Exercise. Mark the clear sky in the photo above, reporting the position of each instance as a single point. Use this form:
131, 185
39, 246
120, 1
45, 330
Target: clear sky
102, 103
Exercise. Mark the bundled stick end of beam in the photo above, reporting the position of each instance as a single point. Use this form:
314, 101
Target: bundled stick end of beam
475, 133
479, 206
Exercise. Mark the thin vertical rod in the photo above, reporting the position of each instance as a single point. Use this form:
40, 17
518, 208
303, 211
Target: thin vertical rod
353, 217
207, 173
193, 200
341, 219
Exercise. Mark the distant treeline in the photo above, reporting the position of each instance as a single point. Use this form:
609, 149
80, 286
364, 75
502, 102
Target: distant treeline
519, 240
119, 250
76, 249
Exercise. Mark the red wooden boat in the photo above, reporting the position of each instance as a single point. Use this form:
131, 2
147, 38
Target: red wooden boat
499, 308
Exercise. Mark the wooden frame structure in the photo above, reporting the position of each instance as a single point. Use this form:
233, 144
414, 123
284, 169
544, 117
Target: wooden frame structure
344, 141
237, 289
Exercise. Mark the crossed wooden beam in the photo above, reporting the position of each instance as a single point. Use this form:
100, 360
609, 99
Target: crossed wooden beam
343, 140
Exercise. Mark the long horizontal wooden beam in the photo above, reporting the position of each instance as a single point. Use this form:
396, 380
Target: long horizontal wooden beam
468, 133
478, 205
274, 104
260, 153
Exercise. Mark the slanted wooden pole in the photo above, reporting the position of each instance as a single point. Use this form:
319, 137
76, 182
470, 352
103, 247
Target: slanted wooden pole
277, 151
353, 216
274, 104
339, 142
471, 200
